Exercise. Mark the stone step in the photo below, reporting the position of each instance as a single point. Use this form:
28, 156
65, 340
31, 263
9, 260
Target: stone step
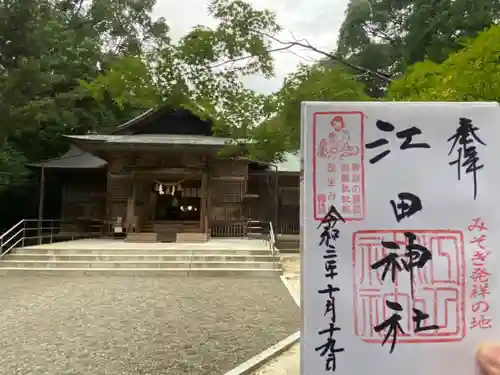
139, 250
288, 243
257, 236
118, 257
137, 265
142, 237
290, 250
165, 272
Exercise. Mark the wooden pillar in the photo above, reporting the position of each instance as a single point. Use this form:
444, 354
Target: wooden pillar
276, 201
109, 202
63, 202
152, 206
131, 206
205, 198
41, 204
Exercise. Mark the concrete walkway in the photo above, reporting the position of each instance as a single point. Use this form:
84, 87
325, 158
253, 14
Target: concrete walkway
110, 244
288, 363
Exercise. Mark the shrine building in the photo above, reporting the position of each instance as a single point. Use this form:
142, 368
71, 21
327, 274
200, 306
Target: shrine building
162, 177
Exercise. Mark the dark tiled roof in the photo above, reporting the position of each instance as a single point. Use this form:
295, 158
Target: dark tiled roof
171, 139
74, 158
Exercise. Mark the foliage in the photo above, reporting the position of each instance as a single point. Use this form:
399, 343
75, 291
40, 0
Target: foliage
77, 66
389, 36
320, 82
48, 47
268, 140
471, 74
199, 72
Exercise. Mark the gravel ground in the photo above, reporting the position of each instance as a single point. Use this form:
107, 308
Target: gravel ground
131, 325
288, 363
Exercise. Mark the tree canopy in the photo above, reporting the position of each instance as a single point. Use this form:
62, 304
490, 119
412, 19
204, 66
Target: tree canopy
390, 36
74, 66
80, 66
323, 81
427, 49
47, 47
201, 72
471, 74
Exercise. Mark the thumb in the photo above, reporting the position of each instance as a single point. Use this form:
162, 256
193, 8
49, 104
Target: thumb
488, 357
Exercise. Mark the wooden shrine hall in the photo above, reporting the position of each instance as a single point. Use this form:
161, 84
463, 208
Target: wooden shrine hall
161, 177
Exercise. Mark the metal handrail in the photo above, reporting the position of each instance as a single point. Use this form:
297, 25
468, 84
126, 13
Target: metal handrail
272, 243
46, 230
11, 229
268, 227
12, 237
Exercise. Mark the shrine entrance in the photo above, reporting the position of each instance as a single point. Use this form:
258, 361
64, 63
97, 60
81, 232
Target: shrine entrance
177, 201
175, 208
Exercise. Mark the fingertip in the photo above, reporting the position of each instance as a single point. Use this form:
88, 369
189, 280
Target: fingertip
488, 357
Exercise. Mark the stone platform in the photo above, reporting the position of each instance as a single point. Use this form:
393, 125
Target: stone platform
217, 257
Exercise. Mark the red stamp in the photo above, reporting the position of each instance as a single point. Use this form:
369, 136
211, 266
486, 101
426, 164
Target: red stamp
438, 287
479, 294
338, 164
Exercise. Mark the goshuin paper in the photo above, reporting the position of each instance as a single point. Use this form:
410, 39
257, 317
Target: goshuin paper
400, 221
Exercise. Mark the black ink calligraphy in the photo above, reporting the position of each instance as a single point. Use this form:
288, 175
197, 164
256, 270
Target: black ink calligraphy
467, 155
330, 258
418, 318
331, 218
330, 303
328, 236
415, 256
329, 347
408, 206
406, 135
393, 325
390, 263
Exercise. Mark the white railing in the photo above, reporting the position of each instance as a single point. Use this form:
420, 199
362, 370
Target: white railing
264, 229
12, 237
272, 242
29, 232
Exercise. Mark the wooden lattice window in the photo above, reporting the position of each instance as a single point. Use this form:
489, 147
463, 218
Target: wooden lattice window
227, 212
191, 192
228, 191
118, 188
290, 196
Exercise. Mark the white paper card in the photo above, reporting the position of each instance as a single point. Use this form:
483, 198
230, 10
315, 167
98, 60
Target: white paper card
415, 187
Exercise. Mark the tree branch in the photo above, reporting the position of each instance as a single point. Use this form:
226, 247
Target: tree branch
307, 45
78, 9
303, 43
217, 65
377, 32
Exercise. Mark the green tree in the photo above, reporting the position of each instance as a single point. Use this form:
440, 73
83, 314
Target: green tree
323, 81
471, 74
389, 36
74, 66
48, 46
202, 71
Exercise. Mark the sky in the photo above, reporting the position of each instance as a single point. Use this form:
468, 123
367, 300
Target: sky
318, 21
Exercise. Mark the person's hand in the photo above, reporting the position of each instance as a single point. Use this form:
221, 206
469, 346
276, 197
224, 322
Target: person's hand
488, 357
